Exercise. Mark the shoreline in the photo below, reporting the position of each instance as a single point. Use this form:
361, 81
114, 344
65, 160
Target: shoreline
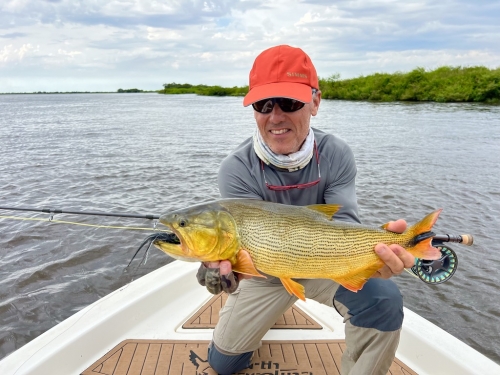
77, 92
445, 84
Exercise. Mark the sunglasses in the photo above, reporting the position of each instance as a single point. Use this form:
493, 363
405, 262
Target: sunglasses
298, 186
287, 105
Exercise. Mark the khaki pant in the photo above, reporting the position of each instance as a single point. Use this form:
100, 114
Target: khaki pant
257, 304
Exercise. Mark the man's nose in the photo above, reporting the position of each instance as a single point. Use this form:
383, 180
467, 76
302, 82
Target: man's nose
277, 114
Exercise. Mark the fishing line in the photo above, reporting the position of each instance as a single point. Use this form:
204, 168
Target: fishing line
53, 211
51, 220
160, 233
429, 271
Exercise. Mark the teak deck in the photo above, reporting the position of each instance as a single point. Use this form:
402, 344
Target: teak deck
208, 316
189, 357
154, 357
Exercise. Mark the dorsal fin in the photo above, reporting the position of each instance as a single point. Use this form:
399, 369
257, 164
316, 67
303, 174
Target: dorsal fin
327, 209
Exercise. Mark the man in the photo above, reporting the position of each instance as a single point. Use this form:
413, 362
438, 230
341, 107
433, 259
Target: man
288, 162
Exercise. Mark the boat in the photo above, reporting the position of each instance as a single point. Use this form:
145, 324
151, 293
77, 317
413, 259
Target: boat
143, 328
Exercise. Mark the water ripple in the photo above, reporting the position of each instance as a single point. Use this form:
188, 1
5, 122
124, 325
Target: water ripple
149, 153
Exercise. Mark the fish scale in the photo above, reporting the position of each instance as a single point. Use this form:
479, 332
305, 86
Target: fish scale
288, 241
316, 243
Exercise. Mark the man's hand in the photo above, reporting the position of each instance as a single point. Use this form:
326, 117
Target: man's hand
395, 257
218, 277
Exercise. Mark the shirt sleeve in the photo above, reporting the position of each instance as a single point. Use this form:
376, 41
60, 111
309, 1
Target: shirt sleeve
235, 180
342, 189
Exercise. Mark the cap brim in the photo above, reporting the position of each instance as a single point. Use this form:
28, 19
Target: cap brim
292, 90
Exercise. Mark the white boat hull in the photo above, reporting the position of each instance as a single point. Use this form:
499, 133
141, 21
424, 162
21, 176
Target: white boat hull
156, 305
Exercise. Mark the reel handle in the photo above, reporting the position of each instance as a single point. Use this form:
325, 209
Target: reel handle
464, 239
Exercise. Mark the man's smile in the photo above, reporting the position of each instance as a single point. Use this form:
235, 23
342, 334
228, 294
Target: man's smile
279, 131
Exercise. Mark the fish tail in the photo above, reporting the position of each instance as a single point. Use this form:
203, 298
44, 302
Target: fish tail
421, 238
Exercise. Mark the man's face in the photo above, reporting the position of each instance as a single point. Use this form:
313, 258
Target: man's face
284, 132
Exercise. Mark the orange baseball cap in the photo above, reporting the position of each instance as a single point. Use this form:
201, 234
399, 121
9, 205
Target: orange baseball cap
284, 72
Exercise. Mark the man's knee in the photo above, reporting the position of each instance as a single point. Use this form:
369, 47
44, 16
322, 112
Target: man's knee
378, 305
225, 364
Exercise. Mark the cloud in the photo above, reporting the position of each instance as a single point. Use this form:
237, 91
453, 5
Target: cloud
214, 42
404, 61
162, 34
12, 35
116, 13
382, 25
10, 53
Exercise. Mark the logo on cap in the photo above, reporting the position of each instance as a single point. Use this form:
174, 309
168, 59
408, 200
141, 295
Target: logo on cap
295, 74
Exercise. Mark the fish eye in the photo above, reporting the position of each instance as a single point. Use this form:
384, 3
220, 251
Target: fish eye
182, 223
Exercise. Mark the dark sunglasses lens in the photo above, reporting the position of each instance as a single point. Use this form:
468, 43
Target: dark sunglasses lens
289, 105
263, 106
286, 105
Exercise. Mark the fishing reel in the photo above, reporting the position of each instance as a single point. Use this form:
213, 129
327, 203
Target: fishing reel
440, 270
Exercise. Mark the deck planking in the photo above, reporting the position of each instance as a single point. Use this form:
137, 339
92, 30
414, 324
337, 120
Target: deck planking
189, 357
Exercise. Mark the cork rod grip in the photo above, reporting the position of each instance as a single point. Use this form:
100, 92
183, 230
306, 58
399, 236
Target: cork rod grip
465, 239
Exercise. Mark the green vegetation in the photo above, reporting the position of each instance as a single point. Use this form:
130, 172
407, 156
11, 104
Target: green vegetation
128, 90
444, 84
186, 88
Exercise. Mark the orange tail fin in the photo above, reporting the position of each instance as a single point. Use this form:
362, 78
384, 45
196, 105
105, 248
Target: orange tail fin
423, 248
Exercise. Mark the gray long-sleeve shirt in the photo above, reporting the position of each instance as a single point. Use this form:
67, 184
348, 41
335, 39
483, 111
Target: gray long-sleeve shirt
241, 176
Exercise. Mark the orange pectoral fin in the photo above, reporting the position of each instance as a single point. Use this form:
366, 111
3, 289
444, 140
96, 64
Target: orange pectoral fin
294, 288
357, 281
353, 283
244, 264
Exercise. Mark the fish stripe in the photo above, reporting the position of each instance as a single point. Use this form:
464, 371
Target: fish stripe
282, 241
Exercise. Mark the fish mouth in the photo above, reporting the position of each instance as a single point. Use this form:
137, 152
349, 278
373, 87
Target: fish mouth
168, 237
157, 239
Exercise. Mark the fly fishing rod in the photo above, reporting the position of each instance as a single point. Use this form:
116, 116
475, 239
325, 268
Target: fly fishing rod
464, 239
54, 211
429, 271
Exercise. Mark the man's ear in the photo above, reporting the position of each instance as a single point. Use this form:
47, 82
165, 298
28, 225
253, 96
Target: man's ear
316, 99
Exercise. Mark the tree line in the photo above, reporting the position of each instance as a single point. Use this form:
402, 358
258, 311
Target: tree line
186, 88
444, 84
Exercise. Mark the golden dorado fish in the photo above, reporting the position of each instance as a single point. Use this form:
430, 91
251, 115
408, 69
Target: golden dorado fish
289, 242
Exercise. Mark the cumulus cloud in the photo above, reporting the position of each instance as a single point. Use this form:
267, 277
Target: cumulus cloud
96, 44
116, 13
155, 33
12, 35
12, 54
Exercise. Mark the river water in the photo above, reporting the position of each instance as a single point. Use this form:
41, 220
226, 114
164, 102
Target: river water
149, 153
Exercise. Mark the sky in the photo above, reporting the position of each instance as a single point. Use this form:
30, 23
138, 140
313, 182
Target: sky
101, 45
